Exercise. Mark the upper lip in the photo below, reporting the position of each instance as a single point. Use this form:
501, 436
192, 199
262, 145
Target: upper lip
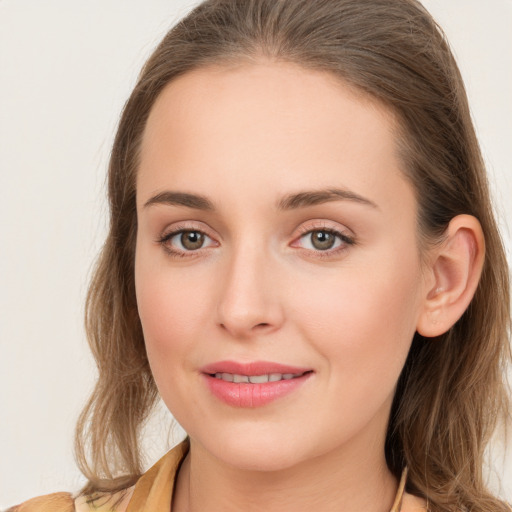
252, 368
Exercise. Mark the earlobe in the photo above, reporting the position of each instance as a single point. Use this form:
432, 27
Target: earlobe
455, 268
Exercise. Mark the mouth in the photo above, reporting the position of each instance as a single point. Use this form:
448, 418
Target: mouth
256, 379
250, 385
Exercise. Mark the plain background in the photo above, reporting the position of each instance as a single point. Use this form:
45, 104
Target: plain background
66, 68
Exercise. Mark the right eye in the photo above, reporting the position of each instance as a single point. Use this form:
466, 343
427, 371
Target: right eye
186, 241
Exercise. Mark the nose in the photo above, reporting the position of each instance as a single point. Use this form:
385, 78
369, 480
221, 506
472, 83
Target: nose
249, 302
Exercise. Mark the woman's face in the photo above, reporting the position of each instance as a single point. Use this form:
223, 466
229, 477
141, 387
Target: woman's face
276, 235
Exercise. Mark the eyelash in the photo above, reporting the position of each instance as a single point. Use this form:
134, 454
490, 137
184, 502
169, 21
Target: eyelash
346, 241
167, 237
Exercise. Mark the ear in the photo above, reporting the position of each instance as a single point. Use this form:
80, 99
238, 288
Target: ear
453, 273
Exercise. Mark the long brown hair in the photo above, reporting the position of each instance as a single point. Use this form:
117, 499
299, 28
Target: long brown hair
452, 389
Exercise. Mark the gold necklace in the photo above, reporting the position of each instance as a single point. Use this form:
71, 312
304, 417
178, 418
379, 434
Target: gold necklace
397, 505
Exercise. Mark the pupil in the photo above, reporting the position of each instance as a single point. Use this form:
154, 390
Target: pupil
323, 240
192, 240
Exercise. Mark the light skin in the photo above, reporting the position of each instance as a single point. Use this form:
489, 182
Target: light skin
264, 165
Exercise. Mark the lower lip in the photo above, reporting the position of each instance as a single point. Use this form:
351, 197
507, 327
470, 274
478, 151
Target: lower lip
253, 395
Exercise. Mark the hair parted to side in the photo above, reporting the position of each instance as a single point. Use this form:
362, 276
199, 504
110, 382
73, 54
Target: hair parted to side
453, 388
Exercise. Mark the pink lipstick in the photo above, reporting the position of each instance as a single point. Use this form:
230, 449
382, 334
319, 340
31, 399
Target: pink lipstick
253, 384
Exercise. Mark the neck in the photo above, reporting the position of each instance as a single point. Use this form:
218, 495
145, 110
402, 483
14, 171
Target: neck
346, 479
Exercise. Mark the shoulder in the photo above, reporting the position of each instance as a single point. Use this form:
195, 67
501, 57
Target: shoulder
154, 486
64, 502
58, 502
117, 502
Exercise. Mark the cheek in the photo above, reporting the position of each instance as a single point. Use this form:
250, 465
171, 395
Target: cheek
171, 310
165, 311
171, 307
364, 318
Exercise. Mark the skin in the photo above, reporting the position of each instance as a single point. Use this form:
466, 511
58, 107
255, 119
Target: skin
245, 137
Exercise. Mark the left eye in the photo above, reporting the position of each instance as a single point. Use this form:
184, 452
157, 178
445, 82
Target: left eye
322, 240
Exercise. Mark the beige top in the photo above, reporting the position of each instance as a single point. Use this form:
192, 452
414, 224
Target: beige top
154, 489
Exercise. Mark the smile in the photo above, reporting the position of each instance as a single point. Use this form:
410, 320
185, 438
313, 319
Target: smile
256, 379
255, 384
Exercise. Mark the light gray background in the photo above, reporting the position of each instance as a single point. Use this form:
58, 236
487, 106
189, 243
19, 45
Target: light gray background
66, 68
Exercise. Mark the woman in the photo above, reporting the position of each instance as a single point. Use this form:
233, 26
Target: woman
301, 259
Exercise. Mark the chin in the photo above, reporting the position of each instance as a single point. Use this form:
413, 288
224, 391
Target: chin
257, 451
257, 458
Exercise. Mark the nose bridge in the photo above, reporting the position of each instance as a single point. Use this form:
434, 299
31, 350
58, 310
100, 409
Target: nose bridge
249, 301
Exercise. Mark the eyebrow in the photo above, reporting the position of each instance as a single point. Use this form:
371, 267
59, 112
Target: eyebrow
289, 202
314, 197
195, 201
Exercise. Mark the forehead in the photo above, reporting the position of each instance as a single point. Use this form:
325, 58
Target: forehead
275, 123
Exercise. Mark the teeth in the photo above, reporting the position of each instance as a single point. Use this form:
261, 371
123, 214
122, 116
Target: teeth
255, 379
258, 379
